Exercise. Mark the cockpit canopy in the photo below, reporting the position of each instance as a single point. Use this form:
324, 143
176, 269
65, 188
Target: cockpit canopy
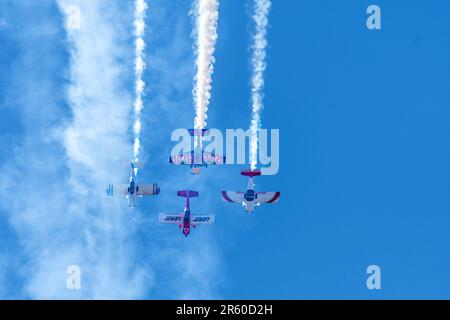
132, 188
250, 195
186, 217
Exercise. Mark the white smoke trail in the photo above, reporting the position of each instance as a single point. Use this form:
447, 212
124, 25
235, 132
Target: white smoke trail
260, 17
75, 224
207, 15
139, 67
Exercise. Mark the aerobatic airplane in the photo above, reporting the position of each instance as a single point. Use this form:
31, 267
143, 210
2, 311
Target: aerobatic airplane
133, 189
187, 220
249, 199
197, 158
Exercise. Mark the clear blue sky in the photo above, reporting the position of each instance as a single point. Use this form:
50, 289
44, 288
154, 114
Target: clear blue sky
365, 152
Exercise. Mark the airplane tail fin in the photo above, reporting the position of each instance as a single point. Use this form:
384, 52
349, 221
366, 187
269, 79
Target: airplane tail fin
110, 190
187, 194
250, 173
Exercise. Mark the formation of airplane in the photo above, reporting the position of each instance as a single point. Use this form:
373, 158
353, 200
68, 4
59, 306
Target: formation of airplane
196, 159
133, 190
249, 199
186, 220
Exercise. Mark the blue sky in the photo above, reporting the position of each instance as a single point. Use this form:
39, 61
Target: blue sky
364, 152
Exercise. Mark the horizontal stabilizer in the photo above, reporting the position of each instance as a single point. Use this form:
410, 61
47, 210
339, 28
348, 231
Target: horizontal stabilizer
198, 132
250, 173
110, 190
187, 194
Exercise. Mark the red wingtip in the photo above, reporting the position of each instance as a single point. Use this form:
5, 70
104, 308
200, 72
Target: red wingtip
275, 198
226, 197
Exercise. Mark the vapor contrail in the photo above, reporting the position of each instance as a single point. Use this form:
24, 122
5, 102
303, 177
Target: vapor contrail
207, 15
139, 66
260, 17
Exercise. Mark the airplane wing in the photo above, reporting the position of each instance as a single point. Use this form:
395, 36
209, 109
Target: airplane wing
212, 158
233, 196
267, 197
188, 158
170, 218
147, 189
203, 219
117, 189
184, 158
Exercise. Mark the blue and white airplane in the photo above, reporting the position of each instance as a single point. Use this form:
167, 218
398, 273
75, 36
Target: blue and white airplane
250, 199
197, 158
133, 189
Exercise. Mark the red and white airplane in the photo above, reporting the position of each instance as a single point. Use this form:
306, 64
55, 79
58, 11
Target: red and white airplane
250, 199
187, 220
197, 158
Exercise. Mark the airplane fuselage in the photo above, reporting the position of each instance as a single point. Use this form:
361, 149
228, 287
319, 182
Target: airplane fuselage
198, 160
132, 187
250, 196
249, 206
186, 227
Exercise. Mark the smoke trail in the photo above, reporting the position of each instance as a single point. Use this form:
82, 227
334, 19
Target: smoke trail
207, 15
76, 224
139, 66
260, 17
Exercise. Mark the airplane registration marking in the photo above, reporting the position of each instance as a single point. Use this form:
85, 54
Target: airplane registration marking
201, 219
172, 218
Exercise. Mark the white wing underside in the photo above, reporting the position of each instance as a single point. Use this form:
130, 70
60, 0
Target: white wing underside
170, 218
121, 189
203, 219
267, 197
143, 189
233, 196
147, 190
174, 218
261, 197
